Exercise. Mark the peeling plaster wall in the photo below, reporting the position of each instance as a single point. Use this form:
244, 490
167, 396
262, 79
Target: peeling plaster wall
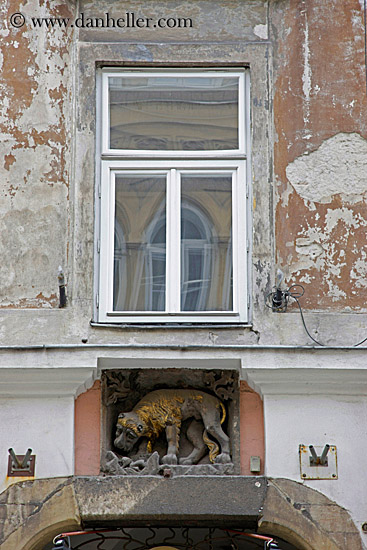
308, 202
321, 150
337, 167
307, 71
35, 126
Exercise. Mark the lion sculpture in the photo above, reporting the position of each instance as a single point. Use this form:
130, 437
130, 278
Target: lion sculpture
165, 410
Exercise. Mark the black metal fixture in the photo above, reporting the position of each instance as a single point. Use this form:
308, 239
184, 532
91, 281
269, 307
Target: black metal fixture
62, 290
21, 465
277, 299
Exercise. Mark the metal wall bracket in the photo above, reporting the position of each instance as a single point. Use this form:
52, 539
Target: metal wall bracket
318, 462
21, 465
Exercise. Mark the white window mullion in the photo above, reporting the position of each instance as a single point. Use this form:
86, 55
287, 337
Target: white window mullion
105, 114
240, 291
111, 240
173, 250
235, 244
241, 114
107, 239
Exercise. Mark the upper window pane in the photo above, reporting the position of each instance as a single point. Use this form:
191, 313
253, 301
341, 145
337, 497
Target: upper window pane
173, 113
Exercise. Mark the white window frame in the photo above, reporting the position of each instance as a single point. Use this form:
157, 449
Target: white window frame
113, 162
233, 153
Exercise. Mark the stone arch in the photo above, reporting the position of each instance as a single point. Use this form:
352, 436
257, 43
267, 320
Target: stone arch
34, 512
307, 518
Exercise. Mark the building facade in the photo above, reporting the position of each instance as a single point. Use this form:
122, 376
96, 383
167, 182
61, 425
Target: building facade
168, 165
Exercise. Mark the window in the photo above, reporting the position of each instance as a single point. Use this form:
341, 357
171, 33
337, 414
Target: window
172, 195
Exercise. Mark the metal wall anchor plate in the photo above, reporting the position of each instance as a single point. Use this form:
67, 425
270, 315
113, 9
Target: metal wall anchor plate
318, 462
21, 465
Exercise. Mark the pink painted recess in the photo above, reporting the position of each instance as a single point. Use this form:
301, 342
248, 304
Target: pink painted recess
88, 422
88, 431
252, 428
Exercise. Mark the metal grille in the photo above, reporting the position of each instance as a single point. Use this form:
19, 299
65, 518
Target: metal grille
169, 538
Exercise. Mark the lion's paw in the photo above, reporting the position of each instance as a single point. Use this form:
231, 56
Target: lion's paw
223, 458
169, 459
185, 461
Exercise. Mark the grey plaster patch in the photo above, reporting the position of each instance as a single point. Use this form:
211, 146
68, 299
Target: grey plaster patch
261, 31
338, 166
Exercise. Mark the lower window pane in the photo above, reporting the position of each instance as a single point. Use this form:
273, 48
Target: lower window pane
206, 243
139, 282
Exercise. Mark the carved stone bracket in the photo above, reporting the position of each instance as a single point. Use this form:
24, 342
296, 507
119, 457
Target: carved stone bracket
118, 385
223, 384
124, 466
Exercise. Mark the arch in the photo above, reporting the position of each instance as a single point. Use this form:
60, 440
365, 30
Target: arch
35, 511
307, 518
119, 265
196, 237
155, 261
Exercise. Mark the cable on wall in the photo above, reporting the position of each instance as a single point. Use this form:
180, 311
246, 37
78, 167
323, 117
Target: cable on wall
277, 300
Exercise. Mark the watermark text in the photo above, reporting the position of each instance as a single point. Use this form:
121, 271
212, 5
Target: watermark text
128, 20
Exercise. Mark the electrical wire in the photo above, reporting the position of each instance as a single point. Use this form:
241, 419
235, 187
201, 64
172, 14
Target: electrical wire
304, 323
279, 303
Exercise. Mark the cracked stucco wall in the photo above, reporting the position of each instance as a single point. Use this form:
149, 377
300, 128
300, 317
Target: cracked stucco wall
35, 126
321, 151
309, 62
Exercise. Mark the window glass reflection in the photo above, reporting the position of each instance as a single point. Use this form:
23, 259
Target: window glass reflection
206, 243
140, 243
173, 113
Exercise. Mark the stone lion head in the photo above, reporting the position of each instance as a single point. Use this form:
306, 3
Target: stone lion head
129, 430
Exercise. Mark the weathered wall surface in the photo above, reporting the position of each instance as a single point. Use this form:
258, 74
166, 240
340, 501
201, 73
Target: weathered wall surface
332, 415
281, 507
307, 73
35, 170
309, 215
46, 425
320, 150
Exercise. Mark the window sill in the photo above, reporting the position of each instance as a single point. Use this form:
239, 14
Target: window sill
170, 325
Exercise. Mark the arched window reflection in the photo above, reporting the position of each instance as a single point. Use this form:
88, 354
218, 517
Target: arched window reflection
196, 258
155, 265
119, 267
205, 241
140, 247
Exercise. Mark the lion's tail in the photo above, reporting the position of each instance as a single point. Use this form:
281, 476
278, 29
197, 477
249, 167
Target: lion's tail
212, 445
224, 414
